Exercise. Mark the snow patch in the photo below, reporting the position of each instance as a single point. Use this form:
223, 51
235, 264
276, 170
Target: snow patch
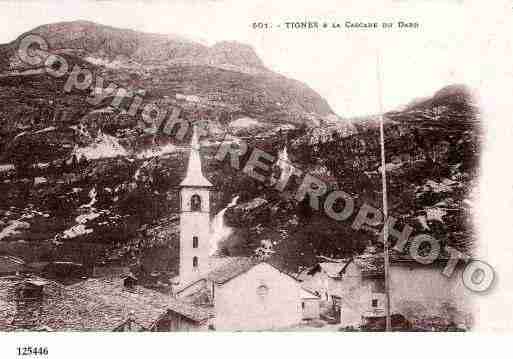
48, 129
92, 197
245, 122
157, 151
82, 219
7, 167
12, 228
76, 231
40, 180
104, 146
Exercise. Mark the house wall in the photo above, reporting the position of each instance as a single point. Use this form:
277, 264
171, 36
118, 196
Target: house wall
325, 285
416, 291
356, 293
320, 282
311, 308
422, 291
239, 306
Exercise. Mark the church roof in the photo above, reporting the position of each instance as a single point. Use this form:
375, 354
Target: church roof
194, 176
235, 266
232, 268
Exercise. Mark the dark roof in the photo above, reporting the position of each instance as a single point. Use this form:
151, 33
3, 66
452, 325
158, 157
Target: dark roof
11, 265
311, 291
8, 289
101, 304
334, 269
224, 269
231, 268
373, 264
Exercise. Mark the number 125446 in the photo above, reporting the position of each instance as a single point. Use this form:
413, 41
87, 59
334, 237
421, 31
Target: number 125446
32, 351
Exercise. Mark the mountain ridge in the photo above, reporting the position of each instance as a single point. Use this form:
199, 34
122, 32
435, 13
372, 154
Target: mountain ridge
109, 43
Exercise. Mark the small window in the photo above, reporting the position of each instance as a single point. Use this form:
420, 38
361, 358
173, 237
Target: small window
262, 290
195, 242
303, 305
374, 303
195, 262
195, 203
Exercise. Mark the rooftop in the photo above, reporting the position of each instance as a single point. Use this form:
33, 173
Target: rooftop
11, 265
231, 268
97, 304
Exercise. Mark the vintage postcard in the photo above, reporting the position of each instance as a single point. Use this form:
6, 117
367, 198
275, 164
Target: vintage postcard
221, 166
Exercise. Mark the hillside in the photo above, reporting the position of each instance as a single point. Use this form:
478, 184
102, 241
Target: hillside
432, 163
85, 183
129, 47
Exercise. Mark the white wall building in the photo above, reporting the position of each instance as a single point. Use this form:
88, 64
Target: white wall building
418, 292
244, 293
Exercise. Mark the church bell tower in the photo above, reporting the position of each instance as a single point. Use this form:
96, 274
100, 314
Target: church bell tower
194, 218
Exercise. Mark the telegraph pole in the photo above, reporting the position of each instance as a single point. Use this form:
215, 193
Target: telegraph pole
385, 201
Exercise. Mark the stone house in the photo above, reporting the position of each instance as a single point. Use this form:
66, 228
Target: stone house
418, 292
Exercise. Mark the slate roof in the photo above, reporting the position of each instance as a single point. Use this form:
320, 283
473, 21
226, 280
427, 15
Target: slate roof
232, 268
8, 286
99, 304
333, 269
307, 293
373, 264
11, 265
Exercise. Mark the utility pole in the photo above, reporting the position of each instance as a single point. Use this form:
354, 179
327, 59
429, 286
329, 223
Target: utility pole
385, 201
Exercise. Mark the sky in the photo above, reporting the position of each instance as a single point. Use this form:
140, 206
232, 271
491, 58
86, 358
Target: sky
340, 64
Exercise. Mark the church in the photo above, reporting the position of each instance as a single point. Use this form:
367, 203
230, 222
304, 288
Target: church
242, 293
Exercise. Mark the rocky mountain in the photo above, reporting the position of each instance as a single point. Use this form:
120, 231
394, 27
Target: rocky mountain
105, 43
86, 183
432, 164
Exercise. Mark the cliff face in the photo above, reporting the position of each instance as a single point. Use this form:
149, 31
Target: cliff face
432, 163
85, 183
88, 176
97, 41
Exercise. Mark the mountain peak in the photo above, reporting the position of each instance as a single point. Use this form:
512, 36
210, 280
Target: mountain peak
234, 53
97, 41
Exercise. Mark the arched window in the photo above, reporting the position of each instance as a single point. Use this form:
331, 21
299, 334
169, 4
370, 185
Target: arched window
195, 203
195, 262
195, 242
262, 290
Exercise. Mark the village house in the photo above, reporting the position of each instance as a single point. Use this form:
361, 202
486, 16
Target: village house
418, 292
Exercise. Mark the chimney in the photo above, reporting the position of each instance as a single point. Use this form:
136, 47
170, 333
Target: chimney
29, 303
130, 282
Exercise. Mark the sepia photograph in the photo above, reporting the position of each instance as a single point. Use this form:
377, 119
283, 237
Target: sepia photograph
219, 166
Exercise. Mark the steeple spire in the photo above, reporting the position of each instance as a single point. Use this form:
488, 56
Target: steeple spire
194, 176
